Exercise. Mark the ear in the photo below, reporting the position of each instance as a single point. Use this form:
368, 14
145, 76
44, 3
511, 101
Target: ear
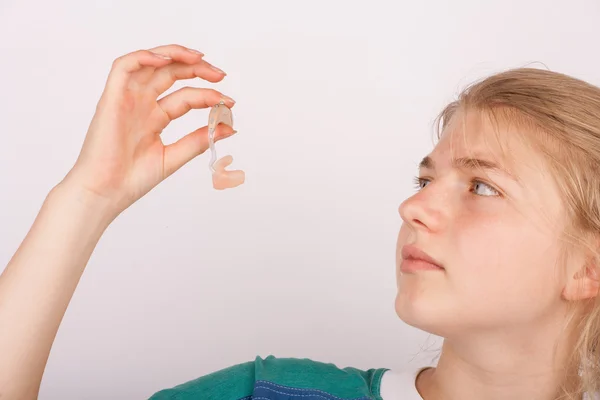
585, 284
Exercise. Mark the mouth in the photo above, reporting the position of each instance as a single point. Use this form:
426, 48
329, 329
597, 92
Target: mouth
415, 259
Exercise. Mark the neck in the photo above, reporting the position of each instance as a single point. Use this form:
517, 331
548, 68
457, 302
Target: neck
511, 364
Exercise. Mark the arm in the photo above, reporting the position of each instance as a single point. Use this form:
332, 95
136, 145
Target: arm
38, 283
122, 159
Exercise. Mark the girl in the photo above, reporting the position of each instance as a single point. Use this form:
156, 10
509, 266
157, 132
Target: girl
497, 253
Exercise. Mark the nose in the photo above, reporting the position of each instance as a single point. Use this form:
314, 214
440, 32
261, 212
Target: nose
426, 210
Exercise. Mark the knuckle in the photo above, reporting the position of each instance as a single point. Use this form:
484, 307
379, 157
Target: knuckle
142, 53
188, 90
171, 72
120, 61
170, 47
213, 93
176, 46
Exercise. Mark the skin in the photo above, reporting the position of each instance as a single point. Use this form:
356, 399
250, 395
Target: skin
500, 303
121, 160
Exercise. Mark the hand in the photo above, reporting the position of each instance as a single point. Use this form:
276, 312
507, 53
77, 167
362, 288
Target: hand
123, 156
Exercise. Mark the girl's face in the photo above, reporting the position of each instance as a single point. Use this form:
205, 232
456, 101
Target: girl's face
496, 237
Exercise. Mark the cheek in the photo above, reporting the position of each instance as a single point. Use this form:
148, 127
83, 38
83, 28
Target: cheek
508, 266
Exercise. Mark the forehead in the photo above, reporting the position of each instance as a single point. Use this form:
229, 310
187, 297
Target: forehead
479, 135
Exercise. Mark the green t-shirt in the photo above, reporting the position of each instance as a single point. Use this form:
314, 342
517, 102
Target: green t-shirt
280, 379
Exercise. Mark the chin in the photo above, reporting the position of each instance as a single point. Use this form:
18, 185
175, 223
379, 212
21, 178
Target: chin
424, 310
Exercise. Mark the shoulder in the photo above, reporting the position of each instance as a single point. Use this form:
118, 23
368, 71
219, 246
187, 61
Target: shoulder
234, 382
277, 378
318, 378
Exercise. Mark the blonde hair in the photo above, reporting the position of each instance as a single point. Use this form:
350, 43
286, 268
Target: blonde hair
560, 117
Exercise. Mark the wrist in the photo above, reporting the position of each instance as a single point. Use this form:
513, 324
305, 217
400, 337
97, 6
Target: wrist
83, 203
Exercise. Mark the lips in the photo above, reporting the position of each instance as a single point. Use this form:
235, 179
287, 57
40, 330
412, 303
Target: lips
413, 253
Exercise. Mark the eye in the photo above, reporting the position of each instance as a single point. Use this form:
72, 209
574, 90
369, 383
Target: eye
418, 182
476, 185
482, 185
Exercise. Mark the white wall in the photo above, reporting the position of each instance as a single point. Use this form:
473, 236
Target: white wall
335, 104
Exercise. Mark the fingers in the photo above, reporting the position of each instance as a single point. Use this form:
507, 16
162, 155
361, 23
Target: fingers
179, 53
166, 76
183, 100
190, 146
125, 65
157, 57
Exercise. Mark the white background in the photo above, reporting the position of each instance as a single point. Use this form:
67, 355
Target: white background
335, 104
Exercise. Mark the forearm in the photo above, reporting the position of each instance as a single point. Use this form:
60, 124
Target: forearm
38, 284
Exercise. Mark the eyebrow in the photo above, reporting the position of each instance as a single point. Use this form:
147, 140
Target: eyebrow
469, 163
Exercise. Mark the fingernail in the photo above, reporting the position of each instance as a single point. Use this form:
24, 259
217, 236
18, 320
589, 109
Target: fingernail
227, 98
216, 69
196, 51
226, 135
163, 57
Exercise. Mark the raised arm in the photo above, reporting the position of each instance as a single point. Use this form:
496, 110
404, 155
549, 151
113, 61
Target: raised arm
121, 160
